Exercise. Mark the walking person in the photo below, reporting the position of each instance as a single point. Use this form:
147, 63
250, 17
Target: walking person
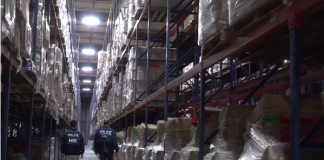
105, 142
72, 143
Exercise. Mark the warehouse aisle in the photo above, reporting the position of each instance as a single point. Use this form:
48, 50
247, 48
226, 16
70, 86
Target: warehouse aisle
89, 154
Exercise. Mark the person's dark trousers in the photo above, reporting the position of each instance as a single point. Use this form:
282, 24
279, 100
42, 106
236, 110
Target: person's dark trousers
106, 156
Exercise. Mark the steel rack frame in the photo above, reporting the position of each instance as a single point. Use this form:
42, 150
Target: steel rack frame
20, 124
267, 80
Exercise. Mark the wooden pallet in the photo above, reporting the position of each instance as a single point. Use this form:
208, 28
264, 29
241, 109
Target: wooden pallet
250, 19
209, 47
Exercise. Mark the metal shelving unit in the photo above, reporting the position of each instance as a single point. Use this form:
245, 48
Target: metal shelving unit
25, 117
241, 83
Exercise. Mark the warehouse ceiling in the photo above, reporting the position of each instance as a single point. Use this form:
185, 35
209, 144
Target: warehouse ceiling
90, 37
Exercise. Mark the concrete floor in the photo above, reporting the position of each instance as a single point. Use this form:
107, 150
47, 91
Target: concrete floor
89, 154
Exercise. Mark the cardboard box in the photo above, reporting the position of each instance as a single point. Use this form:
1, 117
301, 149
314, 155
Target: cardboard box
273, 113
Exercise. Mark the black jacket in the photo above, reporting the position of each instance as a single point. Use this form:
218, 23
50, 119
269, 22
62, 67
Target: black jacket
72, 143
105, 141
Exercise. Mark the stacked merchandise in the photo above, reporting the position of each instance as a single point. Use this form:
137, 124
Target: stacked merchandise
191, 151
130, 150
53, 85
65, 20
240, 10
229, 142
157, 68
102, 114
156, 150
17, 23
151, 130
126, 145
268, 128
177, 136
8, 19
213, 18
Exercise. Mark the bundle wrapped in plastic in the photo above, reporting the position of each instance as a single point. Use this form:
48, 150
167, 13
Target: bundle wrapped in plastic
191, 151
216, 68
131, 149
8, 9
213, 17
177, 136
239, 10
152, 151
273, 114
39, 28
46, 34
151, 130
229, 142
263, 146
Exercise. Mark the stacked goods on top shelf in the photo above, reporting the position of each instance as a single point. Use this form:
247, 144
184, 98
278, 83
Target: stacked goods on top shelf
47, 67
242, 12
65, 18
213, 19
157, 68
8, 19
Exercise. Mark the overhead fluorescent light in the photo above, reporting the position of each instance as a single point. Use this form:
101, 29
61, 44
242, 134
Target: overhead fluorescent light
88, 51
87, 69
87, 81
91, 21
86, 89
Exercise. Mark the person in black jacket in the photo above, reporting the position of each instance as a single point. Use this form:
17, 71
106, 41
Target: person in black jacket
105, 142
72, 143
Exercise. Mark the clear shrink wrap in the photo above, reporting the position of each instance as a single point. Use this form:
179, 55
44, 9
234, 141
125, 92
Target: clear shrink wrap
216, 68
155, 151
102, 58
46, 34
17, 44
272, 113
263, 146
239, 10
177, 136
191, 151
131, 17
8, 13
228, 143
38, 29
213, 17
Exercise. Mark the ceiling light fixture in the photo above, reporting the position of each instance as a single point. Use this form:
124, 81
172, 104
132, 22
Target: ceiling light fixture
88, 51
87, 69
86, 81
86, 89
91, 21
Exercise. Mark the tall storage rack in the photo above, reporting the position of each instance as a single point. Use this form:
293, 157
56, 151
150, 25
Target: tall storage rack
284, 30
30, 124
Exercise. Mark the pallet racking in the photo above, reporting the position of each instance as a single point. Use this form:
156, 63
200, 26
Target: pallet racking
237, 84
26, 116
